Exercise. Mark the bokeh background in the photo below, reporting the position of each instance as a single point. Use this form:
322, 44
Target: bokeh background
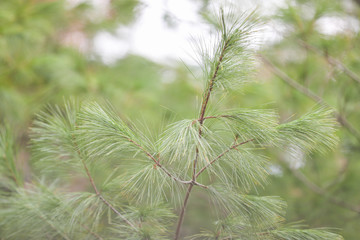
138, 55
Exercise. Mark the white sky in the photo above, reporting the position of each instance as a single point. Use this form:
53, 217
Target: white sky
151, 37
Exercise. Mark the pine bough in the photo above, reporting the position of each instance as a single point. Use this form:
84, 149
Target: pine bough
149, 182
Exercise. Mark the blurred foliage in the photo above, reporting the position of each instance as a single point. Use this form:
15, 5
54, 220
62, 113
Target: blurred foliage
46, 54
319, 38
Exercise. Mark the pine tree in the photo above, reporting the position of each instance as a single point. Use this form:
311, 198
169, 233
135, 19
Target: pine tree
149, 178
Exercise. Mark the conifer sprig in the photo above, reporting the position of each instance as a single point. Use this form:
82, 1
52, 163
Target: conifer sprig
83, 140
65, 145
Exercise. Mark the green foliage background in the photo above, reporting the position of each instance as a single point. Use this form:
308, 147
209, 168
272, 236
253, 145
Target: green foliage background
38, 67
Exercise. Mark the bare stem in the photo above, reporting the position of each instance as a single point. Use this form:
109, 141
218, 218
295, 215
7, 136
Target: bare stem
181, 216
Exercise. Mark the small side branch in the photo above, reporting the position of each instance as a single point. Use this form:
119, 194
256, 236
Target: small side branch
92, 182
234, 146
157, 163
103, 199
91, 232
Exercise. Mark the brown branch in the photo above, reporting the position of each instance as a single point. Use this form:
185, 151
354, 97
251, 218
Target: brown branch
103, 199
157, 163
181, 216
211, 83
333, 61
307, 92
318, 190
199, 184
92, 233
196, 158
95, 188
234, 146
90, 177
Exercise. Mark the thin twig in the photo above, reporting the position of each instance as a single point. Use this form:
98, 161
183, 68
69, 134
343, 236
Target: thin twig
199, 184
333, 61
234, 146
90, 177
157, 163
103, 199
92, 182
92, 233
211, 83
44, 218
182, 212
307, 92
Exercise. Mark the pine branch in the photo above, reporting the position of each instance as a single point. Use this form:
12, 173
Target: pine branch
201, 120
157, 163
212, 80
78, 137
91, 232
234, 146
232, 38
256, 212
314, 131
102, 198
251, 123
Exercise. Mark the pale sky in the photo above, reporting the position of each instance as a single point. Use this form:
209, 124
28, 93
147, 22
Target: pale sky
151, 37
